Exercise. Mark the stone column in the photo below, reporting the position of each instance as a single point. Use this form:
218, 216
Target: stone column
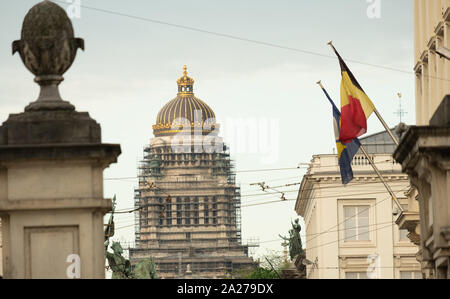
51, 165
424, 153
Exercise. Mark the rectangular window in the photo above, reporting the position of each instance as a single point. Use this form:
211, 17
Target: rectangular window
410, 275
179, 218
356, 223
196, 218
356, 275
206, 211
214, 220
168, 210
187, 216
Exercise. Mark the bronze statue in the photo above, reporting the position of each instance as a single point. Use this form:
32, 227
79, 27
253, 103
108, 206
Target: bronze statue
122, 269
120, 266
145, 269
294, 240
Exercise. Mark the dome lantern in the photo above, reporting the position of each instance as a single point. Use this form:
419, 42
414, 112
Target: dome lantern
185, 84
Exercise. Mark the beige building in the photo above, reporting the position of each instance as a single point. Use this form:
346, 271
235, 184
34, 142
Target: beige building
1, 246
431, 32
351, 230
189, 216
424, 151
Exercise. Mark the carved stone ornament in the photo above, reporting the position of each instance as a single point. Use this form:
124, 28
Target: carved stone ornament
47, 48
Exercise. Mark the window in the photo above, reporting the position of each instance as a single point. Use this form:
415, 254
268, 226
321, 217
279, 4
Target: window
356, 275
179, 218
196, 218
196, 214
410, 275
195, 203
214, 217
187, 219
178, 204
206, 211
356, 223
168, 210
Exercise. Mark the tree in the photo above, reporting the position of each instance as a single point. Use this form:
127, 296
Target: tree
269, 268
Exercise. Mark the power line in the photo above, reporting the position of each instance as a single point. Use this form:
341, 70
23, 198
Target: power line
318, 197
272, 180
337, 230
376, 203
261, 203
329, 196
339, 186
234, 37
252, 170
129, 210
328, 243
238, 171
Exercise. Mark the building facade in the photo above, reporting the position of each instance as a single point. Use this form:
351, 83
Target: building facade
1, 252
424, 151
350, 229
189, 205
431, 32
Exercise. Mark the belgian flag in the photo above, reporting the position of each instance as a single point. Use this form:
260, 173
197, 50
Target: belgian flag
345, 151
356, 107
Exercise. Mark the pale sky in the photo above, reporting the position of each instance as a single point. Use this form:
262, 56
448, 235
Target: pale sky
130, 66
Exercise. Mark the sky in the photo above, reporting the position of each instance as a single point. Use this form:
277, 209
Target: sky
255, 63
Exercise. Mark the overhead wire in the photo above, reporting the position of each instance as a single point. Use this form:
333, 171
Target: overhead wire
364, 210
237, 38
129, 210
244, 39
336, 241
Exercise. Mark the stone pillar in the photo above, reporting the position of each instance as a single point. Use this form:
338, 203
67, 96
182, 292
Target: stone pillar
51, 165
424, 153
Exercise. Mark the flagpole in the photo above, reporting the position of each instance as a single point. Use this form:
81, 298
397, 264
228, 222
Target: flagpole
330, 43
375, 168
381, 178
385, 126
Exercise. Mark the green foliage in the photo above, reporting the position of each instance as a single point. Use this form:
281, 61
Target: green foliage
262, 273
264, 270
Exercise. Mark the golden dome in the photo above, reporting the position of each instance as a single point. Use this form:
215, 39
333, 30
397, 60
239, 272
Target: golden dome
185, 113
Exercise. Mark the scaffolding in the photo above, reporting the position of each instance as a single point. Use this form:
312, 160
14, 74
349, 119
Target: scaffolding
188, 200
